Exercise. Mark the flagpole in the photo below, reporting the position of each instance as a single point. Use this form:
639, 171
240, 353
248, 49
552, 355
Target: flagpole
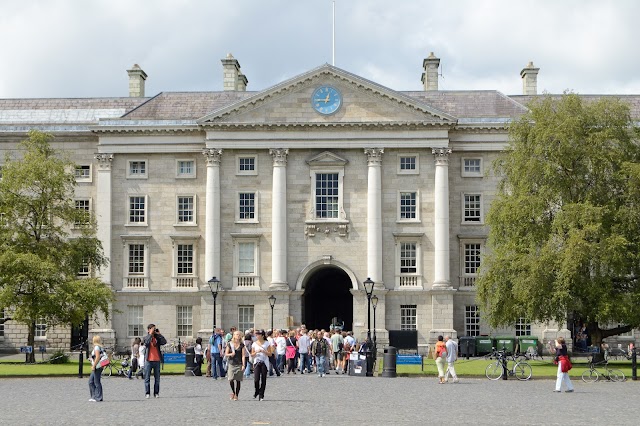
333, 40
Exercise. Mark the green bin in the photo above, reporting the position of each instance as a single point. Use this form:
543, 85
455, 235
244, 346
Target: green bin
506, 342
484, 345
526, 342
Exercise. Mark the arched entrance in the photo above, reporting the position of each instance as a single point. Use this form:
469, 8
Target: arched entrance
326, 295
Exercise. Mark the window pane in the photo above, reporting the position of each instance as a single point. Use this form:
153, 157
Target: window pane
134, 324
472, 208
407, 163
136, 259
137, 209
83, 206
185, 167
523, 327
327, 195
471, 258
41, 328
472, 165
408, 205
408, 261
185, 259
408, 317
245, 317
246, 208
83, 172
184, 321
185, 209
137, 168
246, 258
247, 164
472, 320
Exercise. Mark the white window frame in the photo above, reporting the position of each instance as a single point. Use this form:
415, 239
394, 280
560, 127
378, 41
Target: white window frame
402, 171
144, 175
83, 178
2, 317
194, 222
471, 173
78, 225
417, 207
135, 281
413, 280
246, 281
184, 319
468, 279
246, 312
41, 330
480, 220
192, 174
255, 207
522, 327
146, 210
253, 172
408, 317
341, 213
184, 281
471, 320
85, 271
135, 320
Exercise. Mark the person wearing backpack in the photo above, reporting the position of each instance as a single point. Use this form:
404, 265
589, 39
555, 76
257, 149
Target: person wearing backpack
95, 387
440, 354
215, 348
319, 349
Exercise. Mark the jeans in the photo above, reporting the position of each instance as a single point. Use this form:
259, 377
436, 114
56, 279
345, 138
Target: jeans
320, 364
304, 363
95, 387
272, 366
247, 370
280, 362
197, 370
155, 366
260, 379
216, 363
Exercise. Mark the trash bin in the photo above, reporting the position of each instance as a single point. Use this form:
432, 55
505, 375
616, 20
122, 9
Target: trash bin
358, 364
526, 342
389, 362
467, 346
190, 361
484, 345
507, 343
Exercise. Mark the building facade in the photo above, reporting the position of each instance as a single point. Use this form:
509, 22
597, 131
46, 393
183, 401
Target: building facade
301, 191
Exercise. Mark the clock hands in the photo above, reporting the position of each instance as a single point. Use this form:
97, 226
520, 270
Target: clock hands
325, 100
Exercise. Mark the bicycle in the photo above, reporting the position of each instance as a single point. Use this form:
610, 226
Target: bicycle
601, 369
122, 369
513, 367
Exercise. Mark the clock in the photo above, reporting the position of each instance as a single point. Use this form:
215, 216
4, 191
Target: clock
326, 100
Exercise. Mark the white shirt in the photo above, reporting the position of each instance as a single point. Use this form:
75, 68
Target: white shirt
281, 345
198, 349
452, 350
141, 352
261, 353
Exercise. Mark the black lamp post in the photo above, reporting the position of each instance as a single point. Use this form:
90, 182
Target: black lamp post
374, 303
368, 288
272, 303
214, 285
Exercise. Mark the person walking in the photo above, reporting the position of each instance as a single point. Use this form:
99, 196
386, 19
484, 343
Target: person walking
236, 363
142, 351
272, 358
152, 343
564, 365
199, 355
319, 349
248, 341
290, 352
215, 348
440, 353
135, 350
281, 350
260, 350
95, 386
304, 344
452, 355
337, 344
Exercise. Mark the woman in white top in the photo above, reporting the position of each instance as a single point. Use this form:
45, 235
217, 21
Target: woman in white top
95, 387
199, 356
141, 355
261, 350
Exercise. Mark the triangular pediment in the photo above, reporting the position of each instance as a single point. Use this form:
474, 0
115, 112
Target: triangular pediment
364, 103
327, 158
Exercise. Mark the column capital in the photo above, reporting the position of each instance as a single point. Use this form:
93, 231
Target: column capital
374, 156
213, 156
104, 161
441, 156
279, 156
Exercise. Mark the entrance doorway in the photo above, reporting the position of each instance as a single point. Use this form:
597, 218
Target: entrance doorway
326, 296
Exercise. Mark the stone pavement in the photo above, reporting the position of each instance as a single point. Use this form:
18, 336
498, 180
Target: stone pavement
307, 399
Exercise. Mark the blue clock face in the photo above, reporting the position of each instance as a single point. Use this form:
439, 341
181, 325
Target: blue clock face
326, 100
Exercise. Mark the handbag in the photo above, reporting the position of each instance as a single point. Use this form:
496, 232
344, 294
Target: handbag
566, 365
104, 360
290, 351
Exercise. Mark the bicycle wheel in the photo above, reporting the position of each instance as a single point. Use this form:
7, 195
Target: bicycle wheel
616, 376
106, 371
493, 371
522, 371
590, 376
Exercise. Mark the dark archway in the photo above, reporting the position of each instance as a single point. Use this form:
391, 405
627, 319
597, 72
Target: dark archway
326, 295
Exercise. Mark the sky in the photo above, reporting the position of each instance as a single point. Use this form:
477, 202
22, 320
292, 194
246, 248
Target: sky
82, 48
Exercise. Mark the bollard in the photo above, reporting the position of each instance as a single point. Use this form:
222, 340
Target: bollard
634, 369
466, 342
80, 364
389, 362
505, 372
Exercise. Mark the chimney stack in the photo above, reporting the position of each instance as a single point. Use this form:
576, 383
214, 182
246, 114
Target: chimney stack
529, 76
232, 78
430, 74
136, 81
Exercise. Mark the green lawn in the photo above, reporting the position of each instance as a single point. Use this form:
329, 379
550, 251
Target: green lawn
13, 369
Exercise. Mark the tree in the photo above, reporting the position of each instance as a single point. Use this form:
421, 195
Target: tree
39, 259
564, 225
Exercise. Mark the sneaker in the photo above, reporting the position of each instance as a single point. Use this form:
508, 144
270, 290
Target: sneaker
146, 396
569, 391
556, 391
156, 396
92, 400
261, 399
255, 395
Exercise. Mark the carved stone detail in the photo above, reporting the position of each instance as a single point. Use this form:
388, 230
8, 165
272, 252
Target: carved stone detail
374, 156
104, 161
279, 156
342, 229
213, 156
441, 156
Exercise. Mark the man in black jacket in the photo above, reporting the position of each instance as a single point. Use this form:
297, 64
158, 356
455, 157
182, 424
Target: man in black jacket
152, 341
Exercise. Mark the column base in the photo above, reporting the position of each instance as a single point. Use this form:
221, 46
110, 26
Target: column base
441, 285
279, 286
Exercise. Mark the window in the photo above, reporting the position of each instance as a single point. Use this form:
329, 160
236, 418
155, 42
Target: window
472, 209
84, 206
185, 321
408, 206
327, 188
471, 320
137, 169
137, 210
471, 252
245, 317
408, 261
327, 205
135, 324
185, 253
2, 317
523, 327
41, 328
247, 207
408, 317
471, 167
408, 258
136, 255
246, 260
186, 210
246, 165
185, 169
408, 164
185, 259
136, 259
85, 268
83, 173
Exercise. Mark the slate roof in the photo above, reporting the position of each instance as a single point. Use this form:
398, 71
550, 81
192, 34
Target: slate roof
632, 100
184, 105
471, 103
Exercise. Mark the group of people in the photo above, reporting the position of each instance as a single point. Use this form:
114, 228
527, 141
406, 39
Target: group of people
446, 349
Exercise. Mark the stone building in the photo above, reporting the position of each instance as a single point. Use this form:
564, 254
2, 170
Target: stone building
301, 191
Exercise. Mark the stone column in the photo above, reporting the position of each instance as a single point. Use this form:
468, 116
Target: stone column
374, 214
212, 214
279, 220
441, 219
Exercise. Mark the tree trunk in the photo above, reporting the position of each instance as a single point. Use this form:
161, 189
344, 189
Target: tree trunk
31, 357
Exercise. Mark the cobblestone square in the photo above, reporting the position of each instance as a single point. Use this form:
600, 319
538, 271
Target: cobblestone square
307, 399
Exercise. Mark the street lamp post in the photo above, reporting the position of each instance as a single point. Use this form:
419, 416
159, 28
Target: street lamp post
374, 303
368, 288
214, 285
272, 303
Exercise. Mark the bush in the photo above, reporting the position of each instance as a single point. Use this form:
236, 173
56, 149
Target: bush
58, 357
